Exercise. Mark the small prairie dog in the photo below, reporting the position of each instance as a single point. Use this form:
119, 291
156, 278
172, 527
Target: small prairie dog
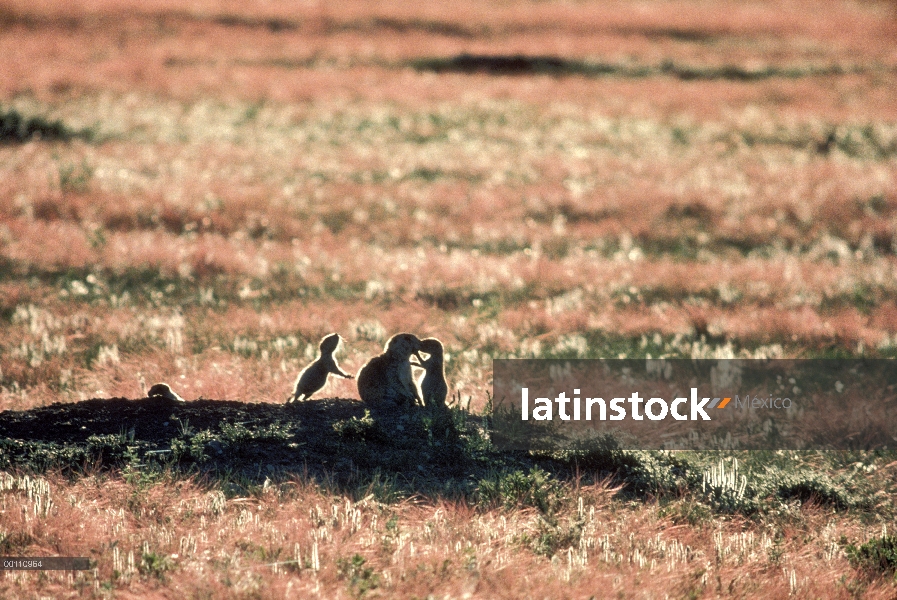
314, 376
433, 387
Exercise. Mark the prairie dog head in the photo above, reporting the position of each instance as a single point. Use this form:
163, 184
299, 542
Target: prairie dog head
402, 345
329, 344
163, 390
433, 347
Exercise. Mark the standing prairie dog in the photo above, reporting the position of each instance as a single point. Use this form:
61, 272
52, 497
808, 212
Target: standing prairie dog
433, 387
385, 382
314, 376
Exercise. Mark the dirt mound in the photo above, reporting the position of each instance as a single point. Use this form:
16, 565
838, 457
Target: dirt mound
332, 438
157, 421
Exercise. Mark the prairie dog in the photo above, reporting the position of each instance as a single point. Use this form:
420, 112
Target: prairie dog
386, 380
433, 387
313, 377
163, 390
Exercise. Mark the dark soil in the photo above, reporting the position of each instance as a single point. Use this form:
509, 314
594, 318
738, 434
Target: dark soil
156, 420
332, 439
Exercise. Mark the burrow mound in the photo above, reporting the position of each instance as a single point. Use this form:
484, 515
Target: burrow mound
334, 438
156, 420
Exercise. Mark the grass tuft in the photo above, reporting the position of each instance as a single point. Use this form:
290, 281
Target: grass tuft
17, 129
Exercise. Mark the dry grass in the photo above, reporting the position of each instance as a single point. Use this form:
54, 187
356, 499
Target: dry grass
176, 538
253, 176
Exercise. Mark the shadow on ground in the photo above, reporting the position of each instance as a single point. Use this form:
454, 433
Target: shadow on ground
336, 442
520, 64
332, 440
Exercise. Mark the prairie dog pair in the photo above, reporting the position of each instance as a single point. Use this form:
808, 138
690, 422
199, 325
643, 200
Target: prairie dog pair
386, 381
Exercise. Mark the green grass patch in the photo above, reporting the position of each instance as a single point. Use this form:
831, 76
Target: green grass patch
878, 556
16, 128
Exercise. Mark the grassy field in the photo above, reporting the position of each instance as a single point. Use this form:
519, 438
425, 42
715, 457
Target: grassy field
198, 192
